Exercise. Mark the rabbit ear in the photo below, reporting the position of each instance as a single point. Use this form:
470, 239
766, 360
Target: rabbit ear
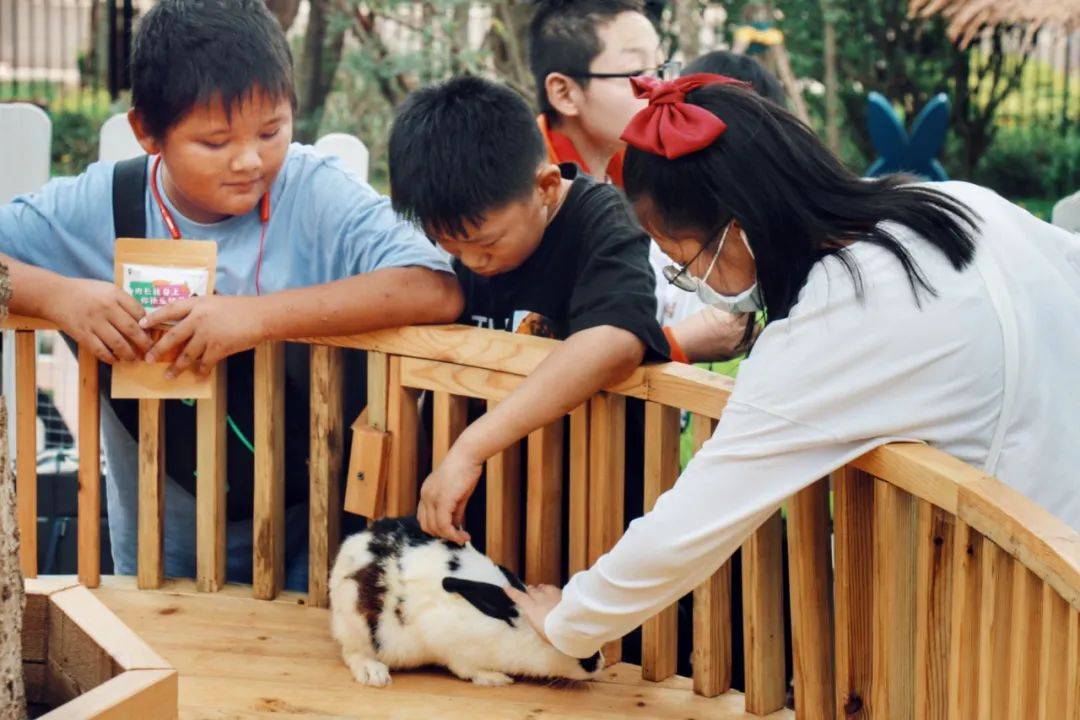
514, 580
928, 132
485, 597
887, 133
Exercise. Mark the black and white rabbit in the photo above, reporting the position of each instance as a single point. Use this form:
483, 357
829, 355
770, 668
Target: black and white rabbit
400, 598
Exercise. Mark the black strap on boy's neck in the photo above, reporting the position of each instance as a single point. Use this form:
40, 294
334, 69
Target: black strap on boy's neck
129, 198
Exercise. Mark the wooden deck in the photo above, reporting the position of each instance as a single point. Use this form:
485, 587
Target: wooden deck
244, 658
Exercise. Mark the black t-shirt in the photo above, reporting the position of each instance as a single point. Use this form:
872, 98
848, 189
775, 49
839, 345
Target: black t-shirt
591, 268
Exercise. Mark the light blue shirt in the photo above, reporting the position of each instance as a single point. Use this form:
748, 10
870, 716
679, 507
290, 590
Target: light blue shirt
325, 224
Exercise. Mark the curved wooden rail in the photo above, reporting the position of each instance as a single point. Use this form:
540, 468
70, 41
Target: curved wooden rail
923, 589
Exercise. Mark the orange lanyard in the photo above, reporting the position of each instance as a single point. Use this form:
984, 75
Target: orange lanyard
174, 229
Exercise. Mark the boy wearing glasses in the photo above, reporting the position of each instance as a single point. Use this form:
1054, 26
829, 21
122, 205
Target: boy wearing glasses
582, 55
538, 248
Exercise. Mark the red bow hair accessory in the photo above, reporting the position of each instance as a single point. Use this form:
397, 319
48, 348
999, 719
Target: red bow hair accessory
669, 126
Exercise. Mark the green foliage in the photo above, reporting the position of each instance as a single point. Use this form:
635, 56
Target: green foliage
75, 139
1036, 163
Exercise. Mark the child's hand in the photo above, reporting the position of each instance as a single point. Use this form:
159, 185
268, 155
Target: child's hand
444, 495
102, 317
536, 604
209, 329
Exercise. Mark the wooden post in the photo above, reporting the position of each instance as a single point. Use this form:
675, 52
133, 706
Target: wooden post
210, 517
1072, 666
810, 571
89, 471
1024, 650
852, 591
579, 489
763, 618
504, 506
324, 470
543, 508
607, 472
151, 567
268, 562
964, 619
712, 607
893, 682
26, 447
933, 613
450, 416
659, 635
403, 423
1053, 662
994, 631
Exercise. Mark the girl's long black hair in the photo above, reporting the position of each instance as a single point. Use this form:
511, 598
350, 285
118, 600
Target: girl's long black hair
795, 200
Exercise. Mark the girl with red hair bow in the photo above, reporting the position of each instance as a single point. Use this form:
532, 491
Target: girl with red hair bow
895, 310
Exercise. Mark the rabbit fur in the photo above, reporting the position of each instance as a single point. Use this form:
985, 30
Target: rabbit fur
400, 598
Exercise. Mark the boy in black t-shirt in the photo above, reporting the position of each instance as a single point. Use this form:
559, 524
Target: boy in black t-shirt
538, 247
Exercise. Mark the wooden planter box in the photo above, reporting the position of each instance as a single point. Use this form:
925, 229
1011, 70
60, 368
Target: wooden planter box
80, 660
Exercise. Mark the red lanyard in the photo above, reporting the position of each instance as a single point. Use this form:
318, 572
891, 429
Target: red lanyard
174, 229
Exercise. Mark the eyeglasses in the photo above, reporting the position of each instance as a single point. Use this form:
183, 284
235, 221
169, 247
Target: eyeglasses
665, 71
678, 276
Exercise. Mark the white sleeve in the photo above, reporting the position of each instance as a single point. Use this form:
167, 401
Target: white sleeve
754, 462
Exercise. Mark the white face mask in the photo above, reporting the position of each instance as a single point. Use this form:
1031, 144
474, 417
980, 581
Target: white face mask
749, 300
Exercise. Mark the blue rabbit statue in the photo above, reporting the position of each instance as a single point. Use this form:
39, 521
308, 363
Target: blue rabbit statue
915, 153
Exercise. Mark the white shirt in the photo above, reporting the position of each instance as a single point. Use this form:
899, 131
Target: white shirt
840, 376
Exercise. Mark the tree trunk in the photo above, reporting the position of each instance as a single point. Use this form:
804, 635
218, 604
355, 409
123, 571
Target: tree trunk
317, 67
285, 11
690, 15
832, 100
12, 594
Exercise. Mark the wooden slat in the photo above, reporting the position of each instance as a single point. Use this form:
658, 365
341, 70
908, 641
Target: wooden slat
89, 471
966, 609
923, 471
1053, 659
504, 506
210, 516
1024, 649
1072, 666
268, 562
853, 538
579, 489
151, 569
763, 618
133, 694
675, 384
659, 635
810, 569
712, 606
26, 448
933, 610
712, 634
378, 378
543, 513
893, 682
403, 424
607, 471
324, 470
458, 379
450, 416
994, 631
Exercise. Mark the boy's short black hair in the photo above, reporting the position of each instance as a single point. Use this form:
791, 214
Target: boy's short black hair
460, 149
186, 52
740, 67
562, 38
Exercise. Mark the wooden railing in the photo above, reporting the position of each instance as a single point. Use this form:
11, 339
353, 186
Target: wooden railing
928, 590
